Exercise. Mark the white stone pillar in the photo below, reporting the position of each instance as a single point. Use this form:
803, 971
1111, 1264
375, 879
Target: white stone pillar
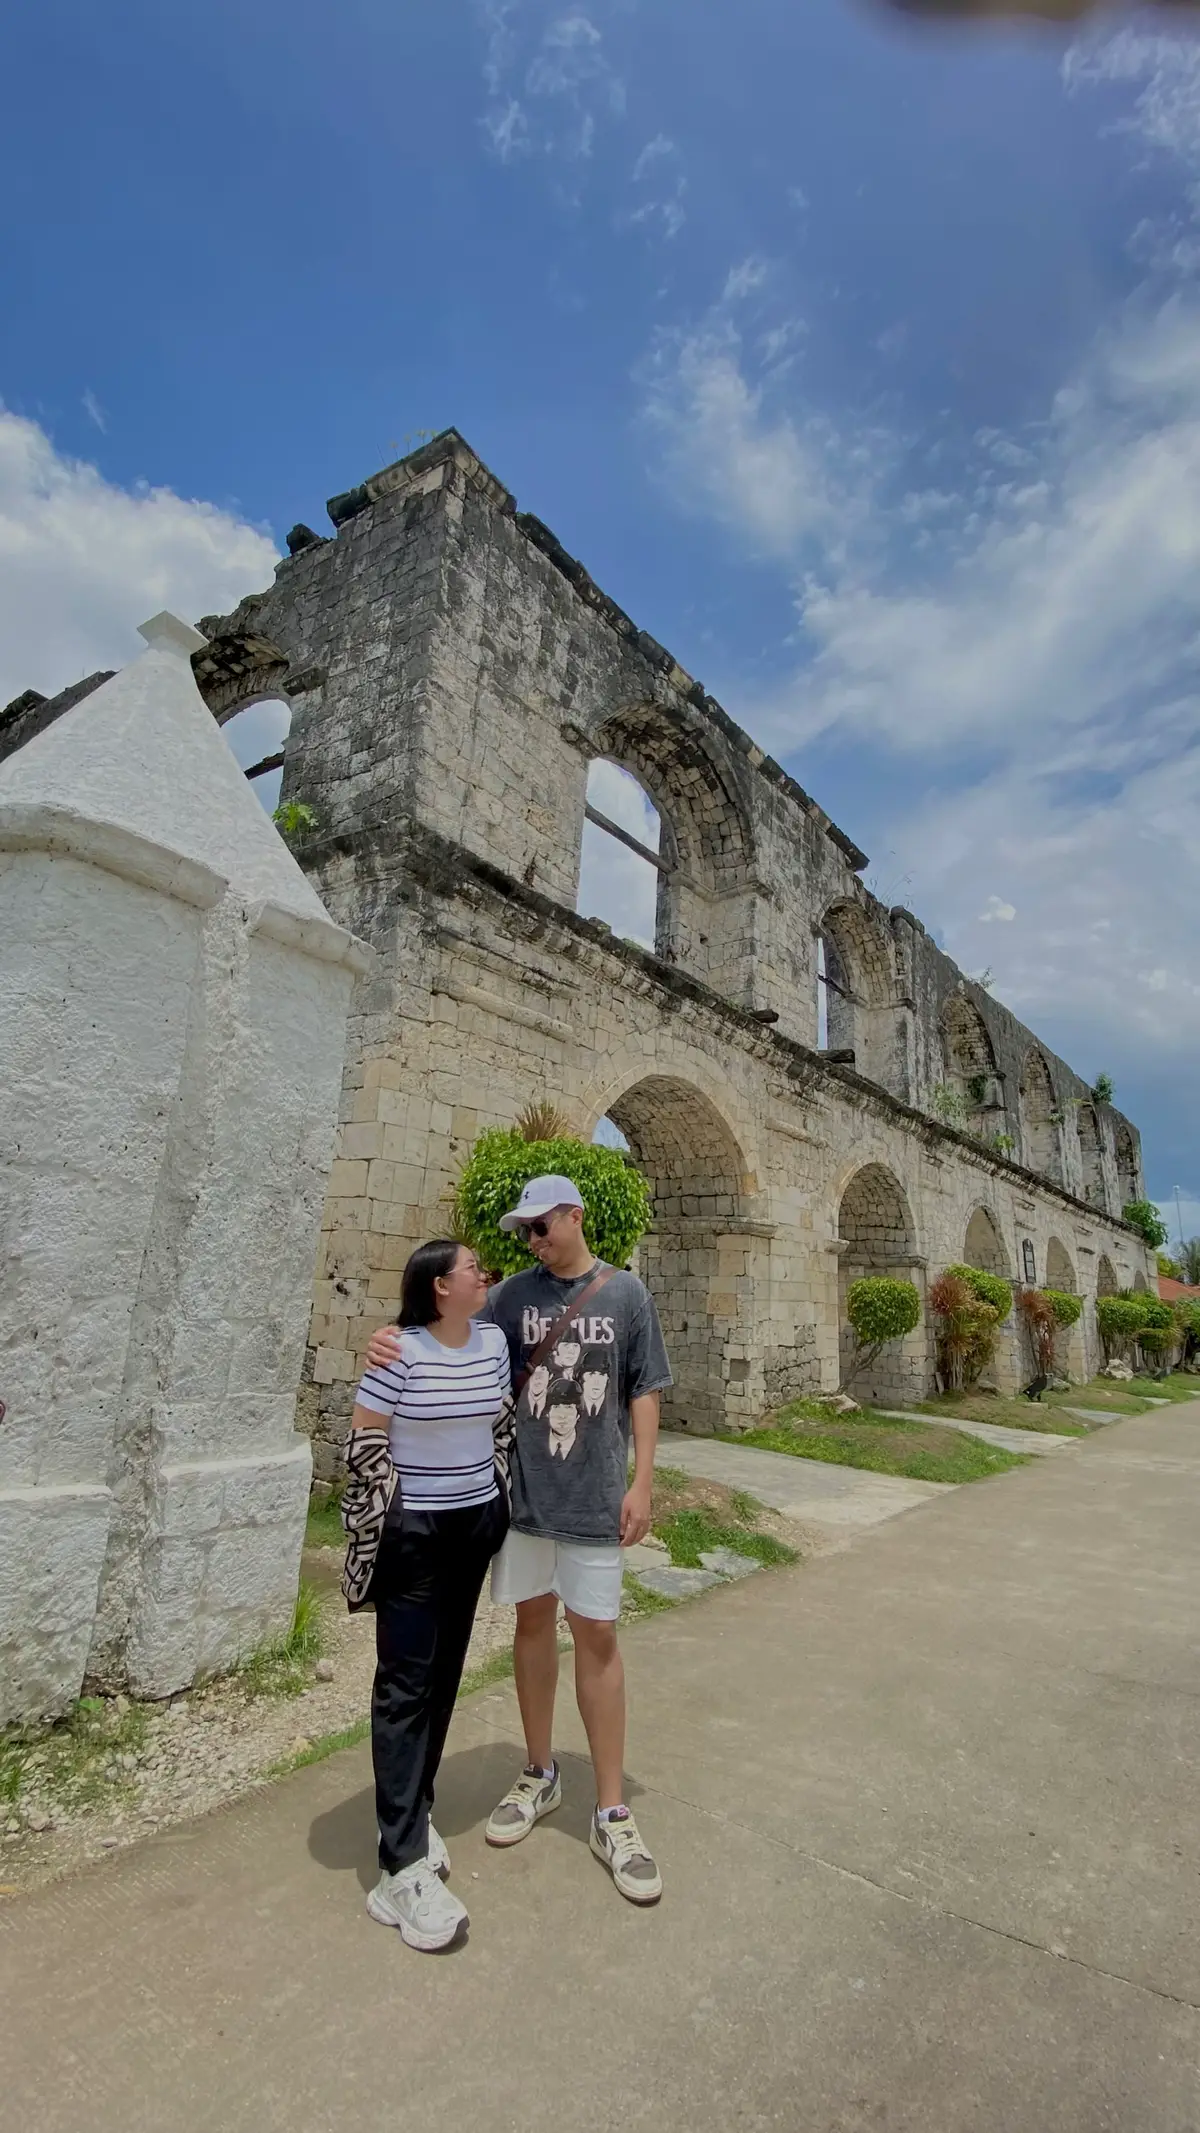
173, 1002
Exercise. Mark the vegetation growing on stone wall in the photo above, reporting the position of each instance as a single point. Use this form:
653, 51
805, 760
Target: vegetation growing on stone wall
966, 1330
293, 819
616, 1197
1102, 1089
1144, 1216
881, 1310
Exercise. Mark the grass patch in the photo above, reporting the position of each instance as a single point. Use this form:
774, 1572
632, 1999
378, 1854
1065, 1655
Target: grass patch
689, 1534
879, 1444
70, 1764
1009, 1413
637, 1600
323, 1528
284, 1666
1179, 1386
318, 1750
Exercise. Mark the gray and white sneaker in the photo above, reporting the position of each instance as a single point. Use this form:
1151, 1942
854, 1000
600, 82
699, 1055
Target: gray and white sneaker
437, 1858
428, 1916
617, 1844
524, 1804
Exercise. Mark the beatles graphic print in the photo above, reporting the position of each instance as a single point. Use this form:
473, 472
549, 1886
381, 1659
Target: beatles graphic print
574, 1384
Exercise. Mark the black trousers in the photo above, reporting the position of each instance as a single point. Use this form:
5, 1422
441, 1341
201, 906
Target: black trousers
428, 1576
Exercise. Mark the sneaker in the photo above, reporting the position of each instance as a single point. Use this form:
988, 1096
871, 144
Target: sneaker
617, 1843
437, 1858
427, 1914
524, 1804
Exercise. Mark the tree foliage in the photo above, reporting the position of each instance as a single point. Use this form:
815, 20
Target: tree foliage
1144, 1216
966, 1329
616, 1197
880, 1310
1120, 1320
1038, 1318
989, 1288
1067, 1309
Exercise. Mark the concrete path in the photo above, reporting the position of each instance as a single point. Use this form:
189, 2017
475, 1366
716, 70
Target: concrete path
1034, 1442
838, 1499
928, 1815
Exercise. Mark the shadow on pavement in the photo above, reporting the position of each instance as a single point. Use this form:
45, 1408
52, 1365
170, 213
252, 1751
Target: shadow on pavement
469, 1785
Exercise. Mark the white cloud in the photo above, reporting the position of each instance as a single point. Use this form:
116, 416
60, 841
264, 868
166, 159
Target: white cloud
659, 171
83, 561
1025, 634
93, 410
548, 80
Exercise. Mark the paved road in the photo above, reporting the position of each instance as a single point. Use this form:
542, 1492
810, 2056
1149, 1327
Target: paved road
928, 1814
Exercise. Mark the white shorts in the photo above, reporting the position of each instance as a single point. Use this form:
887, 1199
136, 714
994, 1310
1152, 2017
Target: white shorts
586, 1579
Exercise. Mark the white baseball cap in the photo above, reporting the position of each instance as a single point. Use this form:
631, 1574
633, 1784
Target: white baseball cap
539, 1197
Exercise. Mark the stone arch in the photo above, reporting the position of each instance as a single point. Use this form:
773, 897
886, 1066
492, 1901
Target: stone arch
1041, 1138
969, 1065
257, 733
1090, 1157
694, 1258
877, 1236
1060, 1274
238, 668
1106, 1277
856, 978
1128, 1179
1140, 1283
710, 871
984, 1247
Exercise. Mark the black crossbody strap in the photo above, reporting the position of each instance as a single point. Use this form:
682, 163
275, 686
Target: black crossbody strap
560, 1325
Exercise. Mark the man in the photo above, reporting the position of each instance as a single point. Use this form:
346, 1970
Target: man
573, 1506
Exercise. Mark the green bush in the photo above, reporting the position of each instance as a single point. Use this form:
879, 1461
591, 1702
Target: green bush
989, 1288
1155, 1340
1144, 1216
880, 1310
1158, 1314
616, 1197
1120, 1319
1067, 1309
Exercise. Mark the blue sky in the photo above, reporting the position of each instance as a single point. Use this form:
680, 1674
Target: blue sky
858, 360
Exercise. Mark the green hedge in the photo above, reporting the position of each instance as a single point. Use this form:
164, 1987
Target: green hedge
1121, 1318
616, 1197
989, 1288
1067, 1309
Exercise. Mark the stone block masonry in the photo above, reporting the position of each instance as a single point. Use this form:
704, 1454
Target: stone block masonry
452, 672
814, 1090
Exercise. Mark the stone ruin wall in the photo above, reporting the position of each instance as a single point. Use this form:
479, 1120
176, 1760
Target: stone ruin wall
451, 674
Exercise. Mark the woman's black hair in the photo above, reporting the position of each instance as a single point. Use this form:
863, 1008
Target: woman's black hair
429, 1263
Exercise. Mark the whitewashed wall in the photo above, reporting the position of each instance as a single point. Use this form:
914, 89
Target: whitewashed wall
173, 1005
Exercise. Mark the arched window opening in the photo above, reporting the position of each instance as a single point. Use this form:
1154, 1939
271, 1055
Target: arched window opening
856, 1004
1127, 1167
1060, 1274
622, 867
1040, 1123
970, 1095
609, 1135
1106, 1279
1140, 1283
1089, 1151
257, 735
983, 1247
836, 1000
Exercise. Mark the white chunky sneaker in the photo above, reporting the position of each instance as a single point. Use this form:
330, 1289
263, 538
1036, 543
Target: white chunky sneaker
524, 1804
437, 1858
617, 1843
428, 1916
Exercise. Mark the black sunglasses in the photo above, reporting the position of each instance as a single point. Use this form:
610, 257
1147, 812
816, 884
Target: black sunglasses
538, 1229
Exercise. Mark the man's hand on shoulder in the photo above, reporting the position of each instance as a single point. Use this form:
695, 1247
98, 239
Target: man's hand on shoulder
384, 1347
635, 1515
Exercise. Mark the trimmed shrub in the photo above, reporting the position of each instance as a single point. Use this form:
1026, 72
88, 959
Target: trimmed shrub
1120, 1320
989, 1288
1036, 1313
1158, 1313
880, 1310
1067, 1309
616, 1197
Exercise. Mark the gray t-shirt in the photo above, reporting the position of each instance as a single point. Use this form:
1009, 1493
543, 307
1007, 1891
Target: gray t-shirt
570, 1458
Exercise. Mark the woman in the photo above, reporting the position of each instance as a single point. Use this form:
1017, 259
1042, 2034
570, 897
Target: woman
445, 1518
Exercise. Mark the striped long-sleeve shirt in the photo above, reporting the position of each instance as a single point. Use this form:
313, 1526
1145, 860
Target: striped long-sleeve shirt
441, 1403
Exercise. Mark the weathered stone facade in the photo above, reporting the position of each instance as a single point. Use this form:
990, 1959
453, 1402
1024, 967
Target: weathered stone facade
451, 673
